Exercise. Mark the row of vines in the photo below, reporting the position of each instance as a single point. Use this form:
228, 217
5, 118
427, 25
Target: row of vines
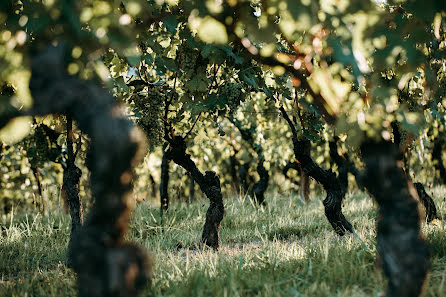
228, 96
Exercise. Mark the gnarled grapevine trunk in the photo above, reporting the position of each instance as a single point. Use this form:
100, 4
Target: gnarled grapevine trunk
304, 178
401, 246
210, 185
164, 184
245, 177
345, 166
154, 188
257, 191
328, 180
105, 264
404, 156
427, 201
259, 188
71, 182
234, 164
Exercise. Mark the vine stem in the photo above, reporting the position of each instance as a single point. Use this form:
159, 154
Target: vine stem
299, 114
166, 108
214, 79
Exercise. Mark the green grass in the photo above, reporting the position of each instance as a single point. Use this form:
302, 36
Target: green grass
285, 249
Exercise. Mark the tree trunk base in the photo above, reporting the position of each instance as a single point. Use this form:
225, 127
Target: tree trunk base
209, 183
427, 201
104, 263
71, 181
404, 252
333, 212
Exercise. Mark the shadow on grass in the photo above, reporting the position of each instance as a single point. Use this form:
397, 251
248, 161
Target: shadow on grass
308, 276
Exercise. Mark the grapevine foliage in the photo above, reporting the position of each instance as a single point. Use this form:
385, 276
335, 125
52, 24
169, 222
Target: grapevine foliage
42, 146
149, 110
234, 95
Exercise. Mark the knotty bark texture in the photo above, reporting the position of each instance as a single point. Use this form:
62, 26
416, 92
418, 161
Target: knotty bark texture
401, 246
209, 183
257, 191
328, 180
427, 201
404, 156
154, 188
246, 179
259, 188
304, 178
233, 166
345, 166
105, 264
70, 187
164, 184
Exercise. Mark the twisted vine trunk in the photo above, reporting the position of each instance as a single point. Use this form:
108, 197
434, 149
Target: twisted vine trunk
259, 188
209, 183
257, 191
342, 165
401, 246
404, 156
245, 177
233, 165
105, 264
328, 180
154, 190
304, 178
36, 175
427, 201
345, 166
70, 187
164, 184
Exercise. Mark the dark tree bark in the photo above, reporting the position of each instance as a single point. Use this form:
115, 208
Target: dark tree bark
345, 166
234, 164
2, 147
209, 183
342, 165
437, 156
71, 183
304, 178
257, 191
164, 184
245, 177
154, 190
259, 188
404, 154
328, 180
105, 264
403, 251
427, 201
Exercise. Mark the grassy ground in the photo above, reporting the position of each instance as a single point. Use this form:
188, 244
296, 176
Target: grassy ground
285, 249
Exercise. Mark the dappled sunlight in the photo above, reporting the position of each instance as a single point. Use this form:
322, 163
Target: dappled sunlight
263, 249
